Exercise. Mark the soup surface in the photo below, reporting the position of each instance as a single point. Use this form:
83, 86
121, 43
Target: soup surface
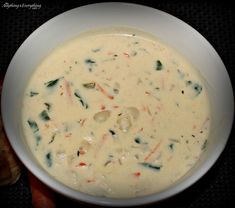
116, 113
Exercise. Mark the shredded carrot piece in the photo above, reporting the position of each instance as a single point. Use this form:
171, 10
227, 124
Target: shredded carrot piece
204, 123
101, 143
68, 90
153, 151
101, 89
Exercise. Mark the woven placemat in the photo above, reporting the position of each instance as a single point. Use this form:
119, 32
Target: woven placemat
214, 20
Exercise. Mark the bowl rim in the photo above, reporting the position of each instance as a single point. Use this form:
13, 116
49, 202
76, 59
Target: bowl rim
57, 186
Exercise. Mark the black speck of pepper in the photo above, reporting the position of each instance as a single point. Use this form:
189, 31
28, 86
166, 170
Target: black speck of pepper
182, 91
78, 153
112, 132
188, 82
193, 135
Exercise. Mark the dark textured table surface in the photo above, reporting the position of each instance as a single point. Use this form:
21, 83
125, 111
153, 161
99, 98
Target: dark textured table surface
214, 20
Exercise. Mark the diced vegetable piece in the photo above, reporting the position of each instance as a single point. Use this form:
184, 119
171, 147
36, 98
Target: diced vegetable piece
203, 147
102, 116
33, 125
82, 101
197, 88
48, 106
158, 65
32, 93
44, 115
52, 83
150, 166
49, 159
90, 85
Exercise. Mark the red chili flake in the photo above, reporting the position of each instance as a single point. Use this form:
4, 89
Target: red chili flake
137, 174
82, 164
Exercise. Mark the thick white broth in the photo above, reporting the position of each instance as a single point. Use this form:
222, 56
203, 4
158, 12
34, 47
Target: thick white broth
116, 113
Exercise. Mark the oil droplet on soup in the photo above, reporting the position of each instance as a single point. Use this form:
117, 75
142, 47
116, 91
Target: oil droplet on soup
116, 113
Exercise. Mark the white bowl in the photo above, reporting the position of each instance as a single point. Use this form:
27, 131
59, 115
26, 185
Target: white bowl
171, 30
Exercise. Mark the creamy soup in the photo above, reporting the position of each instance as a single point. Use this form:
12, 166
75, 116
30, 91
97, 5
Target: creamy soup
116, 113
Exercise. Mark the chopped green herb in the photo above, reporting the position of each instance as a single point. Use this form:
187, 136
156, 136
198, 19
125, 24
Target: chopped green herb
38, 139
204, 145
158, 65
171, 146
77, 94
137, 140
33, 125
96, 50
90, 85
175, 140
32, 93
44, 115
48, 106
151, 166
90, 62
115, 90
197, 88
52, 82
49, 159
112, 132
